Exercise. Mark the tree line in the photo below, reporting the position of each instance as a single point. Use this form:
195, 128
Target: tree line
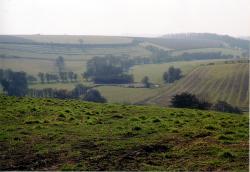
80, 92
16, 84
114, 70
188, 100
109, 69
163, 56
60, 77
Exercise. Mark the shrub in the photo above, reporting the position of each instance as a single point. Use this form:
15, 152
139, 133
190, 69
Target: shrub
32, 122
223, 106
223, 137
94, 96
227, 155
187, 100
136, 128
67, 111
62, 115
156, 120
210, 127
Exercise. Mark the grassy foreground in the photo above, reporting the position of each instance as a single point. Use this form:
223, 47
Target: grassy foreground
52, 134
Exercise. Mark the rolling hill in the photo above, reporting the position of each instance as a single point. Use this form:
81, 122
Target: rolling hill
229, 82
37, 53
184, 41
65, 39
52, 134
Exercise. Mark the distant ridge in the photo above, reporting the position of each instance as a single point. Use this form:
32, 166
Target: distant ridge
229, 40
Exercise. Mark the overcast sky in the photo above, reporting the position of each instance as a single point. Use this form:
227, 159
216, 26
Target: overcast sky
121, 17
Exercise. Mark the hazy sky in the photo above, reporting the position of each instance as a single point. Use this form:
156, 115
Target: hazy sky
120, 17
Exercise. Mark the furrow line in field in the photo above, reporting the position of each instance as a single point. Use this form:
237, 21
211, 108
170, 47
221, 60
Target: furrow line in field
245, 88
235, 93
219, 92
192, 79
226, 91
195, 85
233, 90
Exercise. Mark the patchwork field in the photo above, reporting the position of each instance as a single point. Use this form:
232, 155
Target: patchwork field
37, 53
229, 82
51, 134
41, 58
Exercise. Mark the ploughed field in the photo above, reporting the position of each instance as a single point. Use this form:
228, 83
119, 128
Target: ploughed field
228, 82
52, 134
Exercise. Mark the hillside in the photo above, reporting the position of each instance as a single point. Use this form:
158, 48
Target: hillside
51, 134
183, 44
226, 40
41, 55
65, 39
229, 82
38, 53
185, 41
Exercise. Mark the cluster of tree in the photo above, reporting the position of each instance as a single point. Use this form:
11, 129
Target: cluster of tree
31, 79
62, 76
14, 83
60, 64
187, 100
79, 92
158, 55
226, 107
172, 75
146, 82
109, 69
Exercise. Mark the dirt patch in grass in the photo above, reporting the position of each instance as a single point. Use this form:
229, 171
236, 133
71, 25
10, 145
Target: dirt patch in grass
22, 157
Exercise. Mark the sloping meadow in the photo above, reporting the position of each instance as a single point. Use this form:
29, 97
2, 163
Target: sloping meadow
52, 134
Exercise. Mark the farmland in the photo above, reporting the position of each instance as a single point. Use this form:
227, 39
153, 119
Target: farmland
113, 94
38, 53
228, 82
43, 57
201, 50
155, 71
116, 94
76, 39
52, 134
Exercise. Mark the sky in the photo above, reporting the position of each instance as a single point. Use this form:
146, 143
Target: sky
124, 17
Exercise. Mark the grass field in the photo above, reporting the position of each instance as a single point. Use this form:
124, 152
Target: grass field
75, 39
35, 58
116, 94
228, 82
51, 134
225, 51
41, 58
113, 94
33, 67
155, 71
183, 44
